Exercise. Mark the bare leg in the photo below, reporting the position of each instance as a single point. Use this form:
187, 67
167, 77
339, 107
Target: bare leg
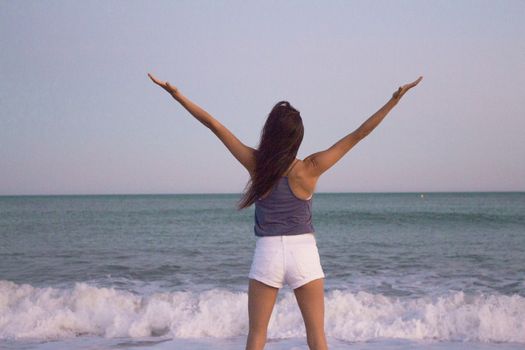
310, 298
261, 299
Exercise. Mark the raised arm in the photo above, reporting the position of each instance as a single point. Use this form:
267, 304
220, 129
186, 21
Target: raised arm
244, 154
319, 162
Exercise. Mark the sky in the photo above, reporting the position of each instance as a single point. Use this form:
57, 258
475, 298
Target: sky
78, 114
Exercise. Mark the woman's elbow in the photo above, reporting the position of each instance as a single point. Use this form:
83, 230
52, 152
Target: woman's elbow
359, 134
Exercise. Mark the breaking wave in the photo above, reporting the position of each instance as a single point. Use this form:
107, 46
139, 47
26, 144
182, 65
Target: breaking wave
27, 312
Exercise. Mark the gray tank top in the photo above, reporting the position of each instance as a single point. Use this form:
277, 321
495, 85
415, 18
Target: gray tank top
282, 213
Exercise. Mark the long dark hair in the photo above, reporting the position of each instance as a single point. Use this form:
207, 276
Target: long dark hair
281, 137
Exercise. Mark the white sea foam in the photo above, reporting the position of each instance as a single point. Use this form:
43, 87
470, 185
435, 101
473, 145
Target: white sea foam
27, 312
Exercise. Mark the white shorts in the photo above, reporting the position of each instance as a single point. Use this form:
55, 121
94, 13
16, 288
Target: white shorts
292, 259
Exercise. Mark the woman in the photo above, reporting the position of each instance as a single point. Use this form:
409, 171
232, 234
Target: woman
281, 187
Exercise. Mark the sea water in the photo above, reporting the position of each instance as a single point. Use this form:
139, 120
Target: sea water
403, 271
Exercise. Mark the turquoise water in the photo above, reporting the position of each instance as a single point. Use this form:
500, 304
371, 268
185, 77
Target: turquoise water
435, 266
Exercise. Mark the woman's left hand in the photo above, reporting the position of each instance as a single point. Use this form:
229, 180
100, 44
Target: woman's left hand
403, 89
172, 90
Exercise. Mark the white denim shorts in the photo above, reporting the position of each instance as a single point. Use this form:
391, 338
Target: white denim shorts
292, 260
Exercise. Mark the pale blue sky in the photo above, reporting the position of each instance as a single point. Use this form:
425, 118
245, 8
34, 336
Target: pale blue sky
78, 114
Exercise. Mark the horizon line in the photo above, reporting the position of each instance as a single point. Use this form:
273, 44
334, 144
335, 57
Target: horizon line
239, 193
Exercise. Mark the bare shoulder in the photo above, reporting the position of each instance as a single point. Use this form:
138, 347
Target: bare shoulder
301, 179
309, 164
302, 168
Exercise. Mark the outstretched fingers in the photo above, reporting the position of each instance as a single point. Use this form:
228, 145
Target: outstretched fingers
415, 82
403, 89
155, 80
164, 84
412, 84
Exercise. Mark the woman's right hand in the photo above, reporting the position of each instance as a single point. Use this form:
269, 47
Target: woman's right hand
403, 89
172, 90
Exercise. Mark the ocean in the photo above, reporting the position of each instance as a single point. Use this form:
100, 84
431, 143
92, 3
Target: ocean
403, 271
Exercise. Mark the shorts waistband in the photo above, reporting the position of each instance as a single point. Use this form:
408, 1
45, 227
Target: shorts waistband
301, 238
